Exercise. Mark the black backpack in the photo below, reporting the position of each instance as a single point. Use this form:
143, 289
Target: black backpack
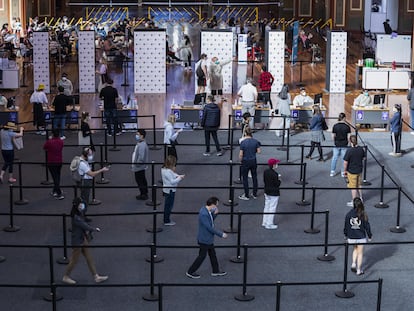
199, 71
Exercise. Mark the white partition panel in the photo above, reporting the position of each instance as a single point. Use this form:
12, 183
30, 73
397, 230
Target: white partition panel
336, 52
41, 67
149, 61
275, 58
86, 59
219, 43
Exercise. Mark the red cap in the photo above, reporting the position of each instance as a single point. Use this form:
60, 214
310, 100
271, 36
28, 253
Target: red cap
272, 161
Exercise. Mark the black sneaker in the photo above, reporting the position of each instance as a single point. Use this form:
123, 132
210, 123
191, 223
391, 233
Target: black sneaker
192, 275
220, 273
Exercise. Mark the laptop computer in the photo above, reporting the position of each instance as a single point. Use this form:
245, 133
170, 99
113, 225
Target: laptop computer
188, 103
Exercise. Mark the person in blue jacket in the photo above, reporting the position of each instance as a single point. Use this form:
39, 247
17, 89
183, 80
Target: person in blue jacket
316, 133
356, 230
205, 239
396, 127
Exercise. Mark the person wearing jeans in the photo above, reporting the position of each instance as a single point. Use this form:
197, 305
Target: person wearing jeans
340, 133
170, 180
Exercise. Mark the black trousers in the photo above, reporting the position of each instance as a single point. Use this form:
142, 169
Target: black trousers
213, 133
318, 145
204, 249
55, 170
85, 191
141, 182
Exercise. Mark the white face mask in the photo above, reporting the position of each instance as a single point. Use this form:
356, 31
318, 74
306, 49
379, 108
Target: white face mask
90, 158
303, 93
81, 207
137, 137
64, 78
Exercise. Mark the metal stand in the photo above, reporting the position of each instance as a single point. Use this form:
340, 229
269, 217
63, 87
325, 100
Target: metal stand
312, 229
244, 296
326, 256
345, 293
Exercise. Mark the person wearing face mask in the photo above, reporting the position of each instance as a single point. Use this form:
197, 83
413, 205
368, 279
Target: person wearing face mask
66, 84
7, 135
302, 99
81, 236
272, 193
85, 134
363, 100
140, 158
396, 127
216, 76
87, 175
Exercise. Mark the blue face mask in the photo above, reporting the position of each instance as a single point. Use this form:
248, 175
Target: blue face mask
137, 137
217, 62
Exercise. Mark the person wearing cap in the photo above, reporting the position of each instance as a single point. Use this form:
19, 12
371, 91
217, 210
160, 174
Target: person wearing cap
272, 193
38, 99
66, 84
60, 103
211, 123
7, 135
248, 94
302, 98
395, 129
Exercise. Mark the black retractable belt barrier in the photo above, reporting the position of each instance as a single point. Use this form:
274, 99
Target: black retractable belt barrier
397, 228
154, 230
114, 146
64, 260
381, 203
231, 229
21, 200
230, 201
312, 229
151, 296
153, 201
244, 296
326, 256
52, 295
303, 202
154, 134
229, 135
11, 227
345, 293
278, 290
238, 258
106, 144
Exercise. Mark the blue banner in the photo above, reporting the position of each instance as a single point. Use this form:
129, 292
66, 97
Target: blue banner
295, 41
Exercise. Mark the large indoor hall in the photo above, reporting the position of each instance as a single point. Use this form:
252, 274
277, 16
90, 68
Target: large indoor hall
303, 263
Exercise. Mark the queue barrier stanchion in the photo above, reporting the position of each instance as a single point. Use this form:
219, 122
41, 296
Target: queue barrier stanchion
46, 181
54, 306
152, 296
106, 144
364, 179
326, 256
154, 230
303, 202
345, 293
114, 145
379, 294
300, 84
153, 201
278, 290
231, 229
160, 306
231, 202
64, 260
398, 228
283, 147
312, 229
11, 227
302, 153
244, 296
238, 258
94, 201
102, 180
381, 203
21, 200
52, 295
288, 146
229, 135
125, 71
24, 75
154, 134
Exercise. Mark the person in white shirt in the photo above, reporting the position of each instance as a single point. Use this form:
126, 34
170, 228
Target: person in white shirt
248, 94
302, 99
38, 99
363, 100
170, 136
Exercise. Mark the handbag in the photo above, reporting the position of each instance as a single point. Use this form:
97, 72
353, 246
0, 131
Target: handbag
18, 142
83, 141
324, 125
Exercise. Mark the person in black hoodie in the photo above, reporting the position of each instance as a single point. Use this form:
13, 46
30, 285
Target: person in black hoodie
211, 123
272, 193
356, 230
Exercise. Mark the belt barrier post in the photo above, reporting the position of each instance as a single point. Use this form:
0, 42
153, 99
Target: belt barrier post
303, 202
51, 295
102, 180
364, 179
238, 258
64, 260
231, 188
24, 75
229, 138
151, 296
154, 145
114, 146
153, 201
244, 296
397, 228
379, 294
125, 69
301, 181
381, 203
46, 181
160, 297
11, 227
106, 144
94, 201
278, 290
21, 200
345, 293
154, 232
312, 229
154, 227
231, 229
326, 256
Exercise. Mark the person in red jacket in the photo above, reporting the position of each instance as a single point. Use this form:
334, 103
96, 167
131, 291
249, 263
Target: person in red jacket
53, 148
265, 84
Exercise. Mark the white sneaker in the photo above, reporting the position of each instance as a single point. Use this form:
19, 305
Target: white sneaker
271, 227
66, 279
243, 197
62, 137
332, 174
412, 133
350, 203
100, 278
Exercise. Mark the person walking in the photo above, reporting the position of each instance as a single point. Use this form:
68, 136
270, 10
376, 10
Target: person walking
205, 239
356, 230
272, 193
211, 123
410, 97
109, 94
317, 135
395, 129
186, 52
283, 105
249, 147
265, 84
340, 133
81, 236
60, 103
7, 135
248, 94
353, 166
54, 155
171, 135
170, 180
140, 158
38, 99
